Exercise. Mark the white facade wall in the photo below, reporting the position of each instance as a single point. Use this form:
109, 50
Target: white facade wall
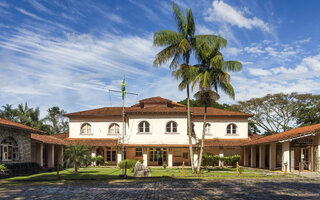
158, 133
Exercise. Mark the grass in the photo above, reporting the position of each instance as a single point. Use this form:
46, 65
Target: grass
112, 174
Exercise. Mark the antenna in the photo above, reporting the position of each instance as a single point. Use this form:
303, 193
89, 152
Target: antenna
123, 121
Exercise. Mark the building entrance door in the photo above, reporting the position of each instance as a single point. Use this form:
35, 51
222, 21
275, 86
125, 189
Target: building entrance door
305, 158
162, 156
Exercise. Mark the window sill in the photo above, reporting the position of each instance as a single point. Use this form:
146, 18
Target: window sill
170, 133
209, 134
231, 134
144, 133
86, 133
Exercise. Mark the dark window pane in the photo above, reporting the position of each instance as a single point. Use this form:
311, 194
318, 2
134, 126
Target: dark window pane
113, 155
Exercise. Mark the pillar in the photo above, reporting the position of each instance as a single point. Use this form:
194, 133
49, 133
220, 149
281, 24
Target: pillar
145, 156
170, 157
311, 159
272, 156
253, 156
41, 155
119, 155
246, 156
262, 156
221, 154
292, 159
317, 159
196, 159
93, 154
51, 155
302, 158
285, 155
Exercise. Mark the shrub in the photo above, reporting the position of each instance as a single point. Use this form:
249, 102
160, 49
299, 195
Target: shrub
164, 166
207, 160
93, 159
130, 164
77, 155
106, 163
241, 170
3, 169
99, 159
22, 166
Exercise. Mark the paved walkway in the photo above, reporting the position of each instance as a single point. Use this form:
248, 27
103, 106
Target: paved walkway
170, 189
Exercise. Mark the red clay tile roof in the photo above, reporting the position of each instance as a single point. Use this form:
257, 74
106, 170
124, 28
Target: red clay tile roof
99, 112
11, 124
47, 139
199, 111
293, 133
176, 108
157, 145
225, 142
93, 141
61, 136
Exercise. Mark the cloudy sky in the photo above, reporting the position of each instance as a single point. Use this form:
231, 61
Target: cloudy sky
70, 53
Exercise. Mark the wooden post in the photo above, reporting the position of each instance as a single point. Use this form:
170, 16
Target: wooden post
285, 169
299, 168
182, 167
237, 168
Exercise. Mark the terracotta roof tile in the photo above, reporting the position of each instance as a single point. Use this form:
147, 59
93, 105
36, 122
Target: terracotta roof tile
8, 123
157, 145
199, 111
99, 112
93, 141
225, 142
47, 139
287, 134
61, 136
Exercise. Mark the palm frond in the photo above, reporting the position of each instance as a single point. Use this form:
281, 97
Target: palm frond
178, 18
165, 55
233, 66
166, 38
191, 28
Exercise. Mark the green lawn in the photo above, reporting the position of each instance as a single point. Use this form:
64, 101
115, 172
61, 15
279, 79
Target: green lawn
96, 173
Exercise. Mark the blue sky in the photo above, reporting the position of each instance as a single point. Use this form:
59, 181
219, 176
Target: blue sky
69, 53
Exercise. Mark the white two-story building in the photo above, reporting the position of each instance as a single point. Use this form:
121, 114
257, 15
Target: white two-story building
156, 132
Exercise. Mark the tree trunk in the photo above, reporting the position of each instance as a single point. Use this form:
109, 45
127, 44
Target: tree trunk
203, 137
75, 167
189, 128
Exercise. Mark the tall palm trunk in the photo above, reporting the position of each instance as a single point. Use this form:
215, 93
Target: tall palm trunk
203, 136
189, 128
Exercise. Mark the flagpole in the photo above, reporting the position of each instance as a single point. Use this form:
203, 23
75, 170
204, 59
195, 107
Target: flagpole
123, 123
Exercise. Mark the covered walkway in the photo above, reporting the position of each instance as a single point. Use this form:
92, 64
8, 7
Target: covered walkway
289, 148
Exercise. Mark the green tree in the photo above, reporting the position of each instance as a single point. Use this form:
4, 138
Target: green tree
77, 155
57, 122
9, 113
197, 103
212, 75
178, 47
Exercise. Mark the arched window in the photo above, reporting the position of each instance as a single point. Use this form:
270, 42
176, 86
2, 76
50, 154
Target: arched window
144, 127
172, 127
208, 129
86, 128
114, 129
9, 149
231, 129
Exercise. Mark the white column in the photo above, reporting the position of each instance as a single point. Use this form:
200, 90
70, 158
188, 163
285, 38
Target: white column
292, 159
317, 165
302, 158
311, 159
93, 154
170, 157
272, 156
119, 156
285, 155
253, 156
50, 155
221, 154
262, 156
195, 155
41, 154
145, 157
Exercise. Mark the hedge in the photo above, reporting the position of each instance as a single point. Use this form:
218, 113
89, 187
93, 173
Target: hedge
130, 163
213, 160
22, 166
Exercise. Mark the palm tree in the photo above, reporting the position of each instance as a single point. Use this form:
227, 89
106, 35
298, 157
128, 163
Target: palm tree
179, 47
207, 97
55, 118
212, 75
8, 112
77, 155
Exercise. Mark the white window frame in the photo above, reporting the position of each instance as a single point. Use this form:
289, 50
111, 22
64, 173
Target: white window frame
171, 127
86, 130
233, 129
208, 129
113, 129
14, 150
144, 122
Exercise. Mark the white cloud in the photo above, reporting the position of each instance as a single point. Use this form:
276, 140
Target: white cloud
221, 11
254, 50
204, 30
232, 51
259, 72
